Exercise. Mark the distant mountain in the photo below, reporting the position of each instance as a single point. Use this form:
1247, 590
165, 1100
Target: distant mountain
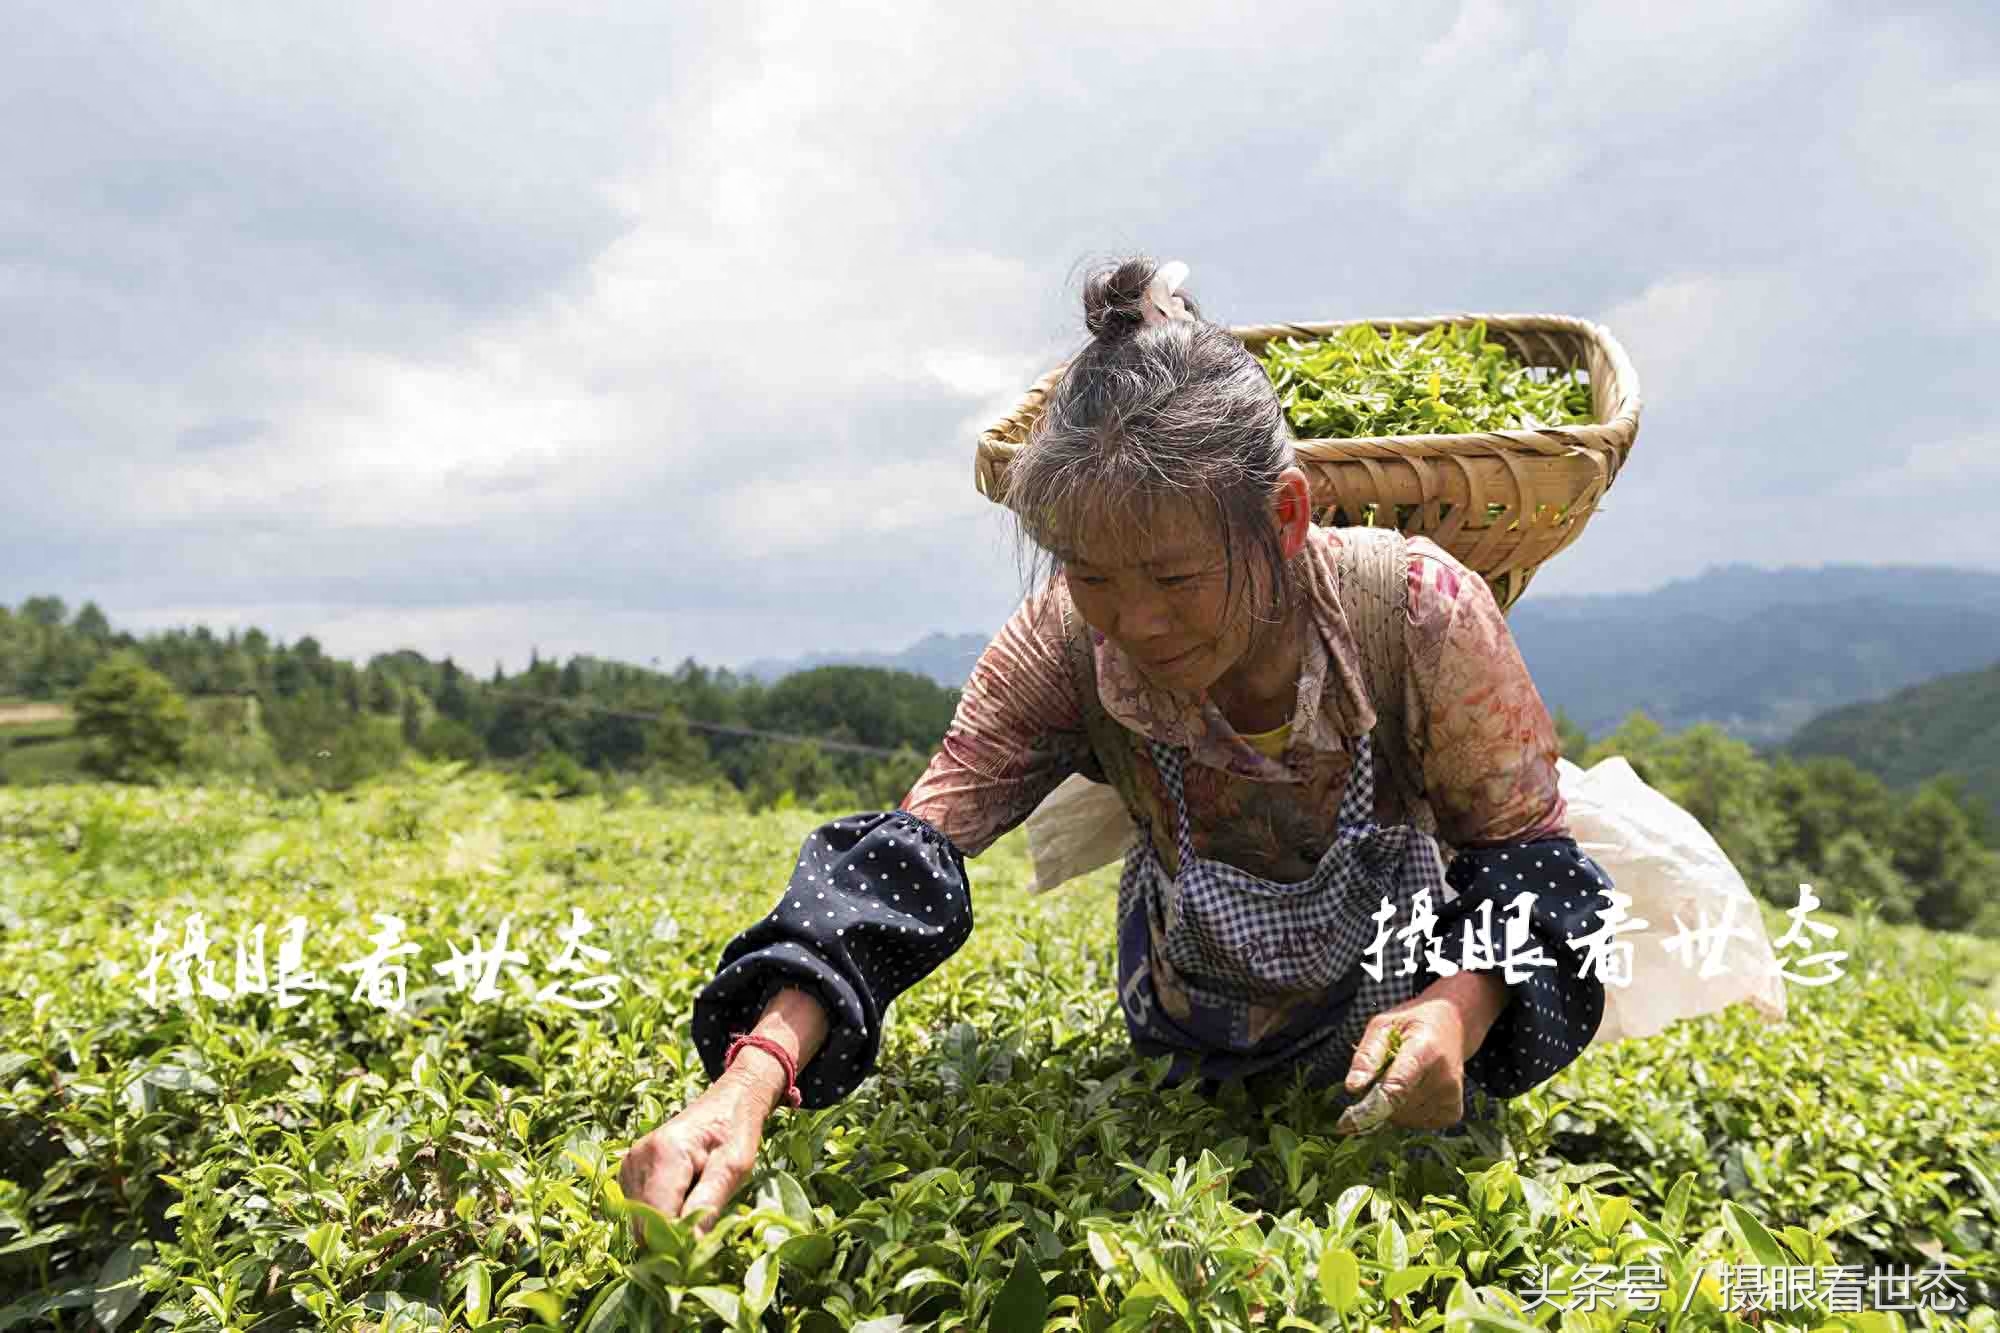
946, 658
1739, 588
1758, 652
1949, 725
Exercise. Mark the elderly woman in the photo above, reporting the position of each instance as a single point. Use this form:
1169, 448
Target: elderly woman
1198, 646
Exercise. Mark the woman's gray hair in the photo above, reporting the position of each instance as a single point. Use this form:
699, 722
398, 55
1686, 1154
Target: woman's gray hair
1152, 416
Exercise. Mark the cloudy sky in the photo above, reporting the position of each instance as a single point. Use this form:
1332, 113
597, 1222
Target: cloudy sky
667, 330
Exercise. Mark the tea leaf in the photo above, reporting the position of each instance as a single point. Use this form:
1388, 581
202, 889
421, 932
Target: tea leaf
1751, 1235
1023, 1303
1339, 1279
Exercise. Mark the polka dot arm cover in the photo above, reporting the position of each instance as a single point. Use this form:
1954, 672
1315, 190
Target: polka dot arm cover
1552, 1013
876, 903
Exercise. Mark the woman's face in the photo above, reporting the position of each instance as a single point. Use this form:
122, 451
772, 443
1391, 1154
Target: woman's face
1163, 596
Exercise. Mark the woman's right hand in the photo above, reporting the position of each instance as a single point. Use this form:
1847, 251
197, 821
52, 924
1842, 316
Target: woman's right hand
695, 1163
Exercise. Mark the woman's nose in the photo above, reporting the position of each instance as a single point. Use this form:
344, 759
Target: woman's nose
1141, 618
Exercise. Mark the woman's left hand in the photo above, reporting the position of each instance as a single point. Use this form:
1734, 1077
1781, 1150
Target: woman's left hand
1424, 1087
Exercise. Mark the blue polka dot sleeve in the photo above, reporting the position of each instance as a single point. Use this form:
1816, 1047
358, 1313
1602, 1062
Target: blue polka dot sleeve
1552, 1014
876, 903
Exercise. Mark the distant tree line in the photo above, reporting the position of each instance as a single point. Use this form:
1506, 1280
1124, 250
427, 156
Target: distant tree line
292, 717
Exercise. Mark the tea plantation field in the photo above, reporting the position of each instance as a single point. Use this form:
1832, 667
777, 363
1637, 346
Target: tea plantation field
262, 1155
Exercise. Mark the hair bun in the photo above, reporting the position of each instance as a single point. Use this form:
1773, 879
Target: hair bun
1114, 300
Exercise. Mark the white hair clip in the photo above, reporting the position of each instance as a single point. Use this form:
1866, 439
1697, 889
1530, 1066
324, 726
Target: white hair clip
1161, 304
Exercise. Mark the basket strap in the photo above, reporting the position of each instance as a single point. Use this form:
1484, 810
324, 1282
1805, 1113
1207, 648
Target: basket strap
1374, 588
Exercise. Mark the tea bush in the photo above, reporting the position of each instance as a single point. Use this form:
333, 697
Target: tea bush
233, 1164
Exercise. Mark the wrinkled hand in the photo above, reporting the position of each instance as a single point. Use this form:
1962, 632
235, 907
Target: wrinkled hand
694, 1164
1439, 1029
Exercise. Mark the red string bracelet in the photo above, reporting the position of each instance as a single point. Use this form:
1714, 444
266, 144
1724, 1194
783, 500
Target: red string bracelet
775, 1051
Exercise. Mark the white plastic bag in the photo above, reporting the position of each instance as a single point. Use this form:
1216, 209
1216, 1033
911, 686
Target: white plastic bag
1661, 857
1078, 827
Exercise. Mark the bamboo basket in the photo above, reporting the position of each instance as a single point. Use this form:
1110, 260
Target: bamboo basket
1503, 503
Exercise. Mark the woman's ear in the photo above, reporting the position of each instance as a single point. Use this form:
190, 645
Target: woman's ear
1292, 499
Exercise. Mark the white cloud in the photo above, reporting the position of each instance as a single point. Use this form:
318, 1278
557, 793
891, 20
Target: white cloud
1705, 335
1925, 139
978, 374
775, 515
1965, 468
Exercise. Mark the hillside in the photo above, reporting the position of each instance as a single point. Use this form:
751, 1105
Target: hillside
1757, 652
1948, 725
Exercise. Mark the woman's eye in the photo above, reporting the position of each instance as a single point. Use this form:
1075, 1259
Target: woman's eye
1176, 580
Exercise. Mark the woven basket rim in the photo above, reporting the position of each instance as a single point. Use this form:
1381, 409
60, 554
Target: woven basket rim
1617, 432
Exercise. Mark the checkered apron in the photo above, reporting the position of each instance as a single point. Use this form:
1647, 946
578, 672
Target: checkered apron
1264, 975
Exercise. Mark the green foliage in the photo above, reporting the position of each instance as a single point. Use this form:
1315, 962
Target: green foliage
320, 722
1574, 739
235, 1165
864, 704
556, 774
1824, 797
449, 739
30, 765
411, 721
521, 727
1933, 846
452, 698
324, 745
775, 773
1720, 781
44, 612
670, 743
1859, 873
1947, 725
135, 724
230, 743
1449, 380
888, 780
1642, 743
